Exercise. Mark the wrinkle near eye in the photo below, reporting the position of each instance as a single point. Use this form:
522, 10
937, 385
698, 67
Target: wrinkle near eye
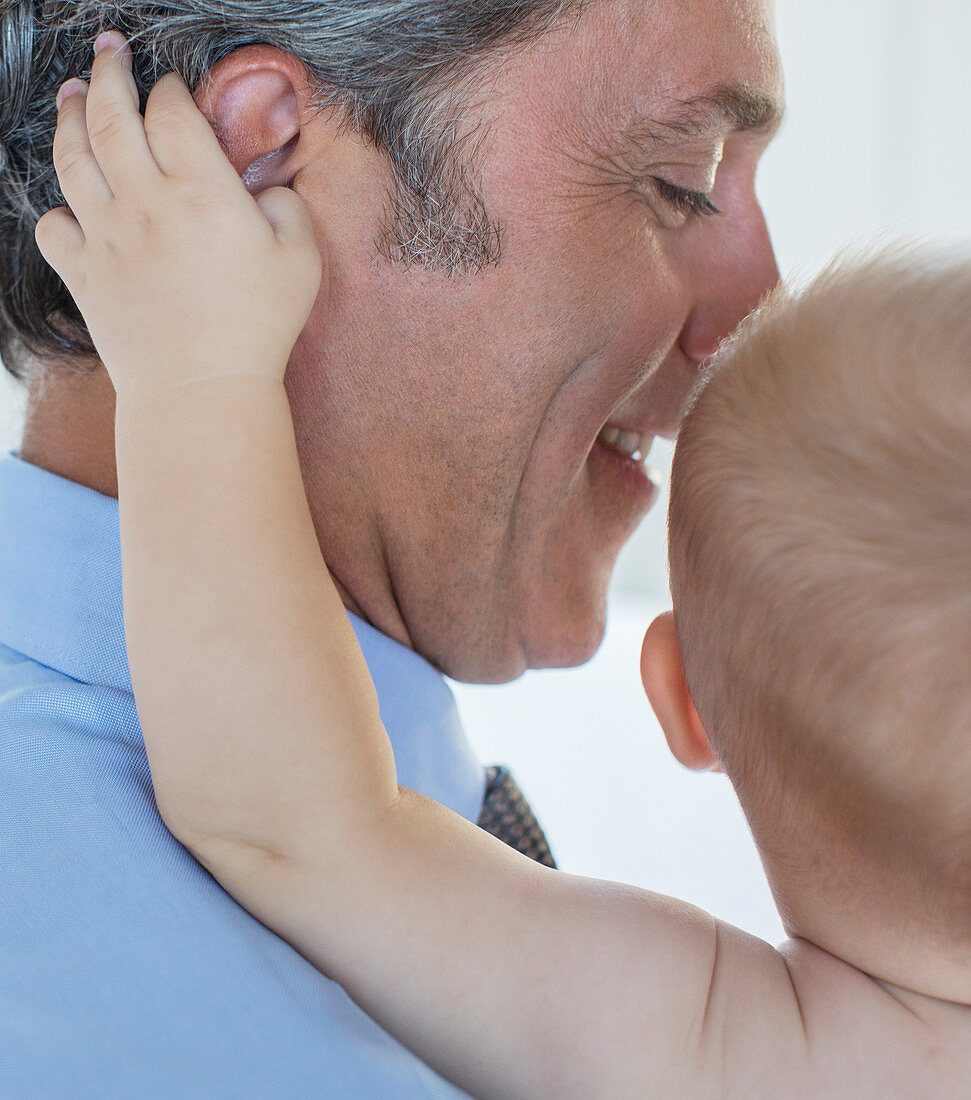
690, 164
589, 182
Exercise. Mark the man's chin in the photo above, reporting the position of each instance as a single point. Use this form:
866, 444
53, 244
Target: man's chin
567, 650
566, 642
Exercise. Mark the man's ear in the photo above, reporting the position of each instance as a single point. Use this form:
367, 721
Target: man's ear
252, 99
262, 105
663, 676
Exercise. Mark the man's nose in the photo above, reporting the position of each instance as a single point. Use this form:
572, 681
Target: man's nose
734, 274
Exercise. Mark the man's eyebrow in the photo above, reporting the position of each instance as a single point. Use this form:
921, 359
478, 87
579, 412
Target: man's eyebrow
739, 106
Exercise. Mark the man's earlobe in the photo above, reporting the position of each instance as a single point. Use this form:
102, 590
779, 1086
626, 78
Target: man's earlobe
662, 674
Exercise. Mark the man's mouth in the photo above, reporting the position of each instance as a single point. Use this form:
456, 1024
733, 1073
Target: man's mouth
619, 464
631, 445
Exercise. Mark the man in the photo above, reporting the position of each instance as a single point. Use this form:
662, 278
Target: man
518, 206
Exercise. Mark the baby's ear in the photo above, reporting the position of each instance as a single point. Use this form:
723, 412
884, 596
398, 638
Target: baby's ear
663, 676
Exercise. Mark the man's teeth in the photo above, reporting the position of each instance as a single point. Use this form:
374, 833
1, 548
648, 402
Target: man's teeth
631, 445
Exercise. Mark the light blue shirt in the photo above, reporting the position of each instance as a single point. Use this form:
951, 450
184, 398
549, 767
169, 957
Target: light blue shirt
125, 970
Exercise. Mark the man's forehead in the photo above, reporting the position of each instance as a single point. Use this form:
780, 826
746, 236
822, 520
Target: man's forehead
682, 69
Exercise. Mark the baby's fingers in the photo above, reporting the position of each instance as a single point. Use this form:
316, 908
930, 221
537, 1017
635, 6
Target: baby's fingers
290, 218
115, 124
182, 141
78, 172
293, 227
60, 240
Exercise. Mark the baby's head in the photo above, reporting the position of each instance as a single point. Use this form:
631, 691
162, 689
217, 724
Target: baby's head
820, 555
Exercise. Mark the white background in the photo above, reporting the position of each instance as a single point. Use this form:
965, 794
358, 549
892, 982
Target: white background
876, 141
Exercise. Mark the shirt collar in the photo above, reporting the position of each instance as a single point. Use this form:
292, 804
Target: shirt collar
61, 605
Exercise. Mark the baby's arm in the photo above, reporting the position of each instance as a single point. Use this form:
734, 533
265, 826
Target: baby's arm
260, 720
272, 766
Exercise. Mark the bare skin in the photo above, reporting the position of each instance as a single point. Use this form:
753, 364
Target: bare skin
289, 796
411, 390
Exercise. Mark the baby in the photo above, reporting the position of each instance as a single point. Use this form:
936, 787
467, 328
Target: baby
819, 651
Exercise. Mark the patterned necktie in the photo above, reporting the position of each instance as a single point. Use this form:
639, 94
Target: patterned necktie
506, 814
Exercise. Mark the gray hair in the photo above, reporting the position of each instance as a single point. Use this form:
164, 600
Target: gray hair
396, 67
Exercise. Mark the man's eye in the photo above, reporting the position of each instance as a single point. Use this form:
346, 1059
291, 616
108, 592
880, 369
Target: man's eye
688, 203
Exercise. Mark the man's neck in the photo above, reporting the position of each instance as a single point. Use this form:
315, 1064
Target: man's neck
70, 427
70, 431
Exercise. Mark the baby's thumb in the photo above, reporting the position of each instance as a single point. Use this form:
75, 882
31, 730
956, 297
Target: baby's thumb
289, 216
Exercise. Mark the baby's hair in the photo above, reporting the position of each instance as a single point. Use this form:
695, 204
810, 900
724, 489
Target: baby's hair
820, 554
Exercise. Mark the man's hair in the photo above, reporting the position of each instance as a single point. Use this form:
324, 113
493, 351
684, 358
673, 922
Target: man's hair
820, 554
397, 68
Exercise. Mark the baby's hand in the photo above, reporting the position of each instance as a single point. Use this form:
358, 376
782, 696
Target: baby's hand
178, 272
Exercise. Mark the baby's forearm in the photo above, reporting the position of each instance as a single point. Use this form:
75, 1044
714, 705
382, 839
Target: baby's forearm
241, 654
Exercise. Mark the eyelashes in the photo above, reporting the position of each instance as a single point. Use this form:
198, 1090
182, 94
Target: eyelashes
694, 204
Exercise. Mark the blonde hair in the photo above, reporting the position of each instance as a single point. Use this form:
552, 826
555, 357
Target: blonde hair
820, 553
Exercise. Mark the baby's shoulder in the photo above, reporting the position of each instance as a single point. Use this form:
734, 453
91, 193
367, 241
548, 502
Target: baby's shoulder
752, 1037
799, 1022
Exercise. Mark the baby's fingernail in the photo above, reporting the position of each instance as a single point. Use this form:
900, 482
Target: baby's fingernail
69, 88
106, 39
